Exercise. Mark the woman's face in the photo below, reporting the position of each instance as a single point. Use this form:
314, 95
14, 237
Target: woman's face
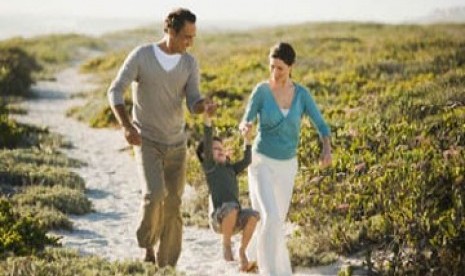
279, 70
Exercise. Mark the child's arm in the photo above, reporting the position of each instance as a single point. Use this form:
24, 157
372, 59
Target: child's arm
247, 158
208, 131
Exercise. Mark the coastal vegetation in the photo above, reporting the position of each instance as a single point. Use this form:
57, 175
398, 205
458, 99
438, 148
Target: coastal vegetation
394, 96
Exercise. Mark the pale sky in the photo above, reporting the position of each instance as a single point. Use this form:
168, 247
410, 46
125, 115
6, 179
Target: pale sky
33, 17
260, 11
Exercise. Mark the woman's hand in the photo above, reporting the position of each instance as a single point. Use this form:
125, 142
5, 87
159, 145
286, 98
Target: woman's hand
326, 160
245, 127
326, 157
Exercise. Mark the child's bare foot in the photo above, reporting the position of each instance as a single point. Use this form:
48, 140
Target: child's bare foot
227, 252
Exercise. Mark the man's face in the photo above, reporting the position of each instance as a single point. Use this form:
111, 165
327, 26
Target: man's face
183, 39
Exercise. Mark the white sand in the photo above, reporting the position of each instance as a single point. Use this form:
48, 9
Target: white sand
112, 186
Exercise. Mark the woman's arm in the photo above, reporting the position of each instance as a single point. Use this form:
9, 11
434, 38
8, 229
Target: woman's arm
313, 112
252, 108
311, 109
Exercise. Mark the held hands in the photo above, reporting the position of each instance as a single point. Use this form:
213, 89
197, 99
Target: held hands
246, 130
209, 107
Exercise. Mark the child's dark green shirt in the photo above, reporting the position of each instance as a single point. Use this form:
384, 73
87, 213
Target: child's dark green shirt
222, 178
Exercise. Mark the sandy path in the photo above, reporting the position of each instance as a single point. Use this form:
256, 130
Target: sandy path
113, 188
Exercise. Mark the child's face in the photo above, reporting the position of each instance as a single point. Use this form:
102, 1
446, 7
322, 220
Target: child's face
218, 152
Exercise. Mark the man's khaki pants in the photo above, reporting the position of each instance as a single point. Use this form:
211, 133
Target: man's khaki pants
162, 171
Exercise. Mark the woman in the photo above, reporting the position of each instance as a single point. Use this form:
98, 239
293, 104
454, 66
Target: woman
279, 103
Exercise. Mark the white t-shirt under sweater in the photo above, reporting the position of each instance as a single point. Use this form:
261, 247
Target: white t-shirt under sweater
168, 62
285, 111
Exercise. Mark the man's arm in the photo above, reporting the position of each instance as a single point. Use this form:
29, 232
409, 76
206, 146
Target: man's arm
195, 102
126, 74
199, 107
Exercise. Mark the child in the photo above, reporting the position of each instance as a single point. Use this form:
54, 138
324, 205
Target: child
228, 217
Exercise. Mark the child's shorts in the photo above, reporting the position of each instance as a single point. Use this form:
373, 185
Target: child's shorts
242, 216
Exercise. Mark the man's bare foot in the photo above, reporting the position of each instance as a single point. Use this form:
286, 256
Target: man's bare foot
244, 262
149, 255
227, 252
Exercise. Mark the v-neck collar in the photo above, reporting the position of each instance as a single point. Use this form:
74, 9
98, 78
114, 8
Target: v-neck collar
276, 102
159, 63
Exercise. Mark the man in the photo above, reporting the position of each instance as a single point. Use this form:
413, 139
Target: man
163, 75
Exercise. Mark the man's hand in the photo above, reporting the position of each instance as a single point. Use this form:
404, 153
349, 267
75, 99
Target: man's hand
132, 135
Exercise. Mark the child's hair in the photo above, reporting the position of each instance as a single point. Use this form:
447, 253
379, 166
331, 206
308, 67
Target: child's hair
200, 147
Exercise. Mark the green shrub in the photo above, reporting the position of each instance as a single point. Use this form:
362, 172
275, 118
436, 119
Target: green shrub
67, 200
11, 132
48, 218
18, 135
61, 262
28, 174
104, 63
16, 68
311, 250
54, 51
37, 157
20, 235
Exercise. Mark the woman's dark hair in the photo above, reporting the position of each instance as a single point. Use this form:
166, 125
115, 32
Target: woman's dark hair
177, 18
200, 148
284, 52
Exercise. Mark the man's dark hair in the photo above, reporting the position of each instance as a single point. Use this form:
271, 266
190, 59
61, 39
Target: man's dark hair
177, 18
284, 52
200, 148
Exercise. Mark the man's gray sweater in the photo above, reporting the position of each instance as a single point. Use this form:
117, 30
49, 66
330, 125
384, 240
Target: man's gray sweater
157, 95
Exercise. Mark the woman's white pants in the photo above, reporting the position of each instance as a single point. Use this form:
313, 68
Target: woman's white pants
270, 187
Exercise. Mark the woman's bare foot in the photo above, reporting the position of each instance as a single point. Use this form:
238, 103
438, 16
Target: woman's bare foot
252, 267
227, 252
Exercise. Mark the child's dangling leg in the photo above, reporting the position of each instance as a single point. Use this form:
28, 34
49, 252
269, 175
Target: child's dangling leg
227, 227
247, 233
